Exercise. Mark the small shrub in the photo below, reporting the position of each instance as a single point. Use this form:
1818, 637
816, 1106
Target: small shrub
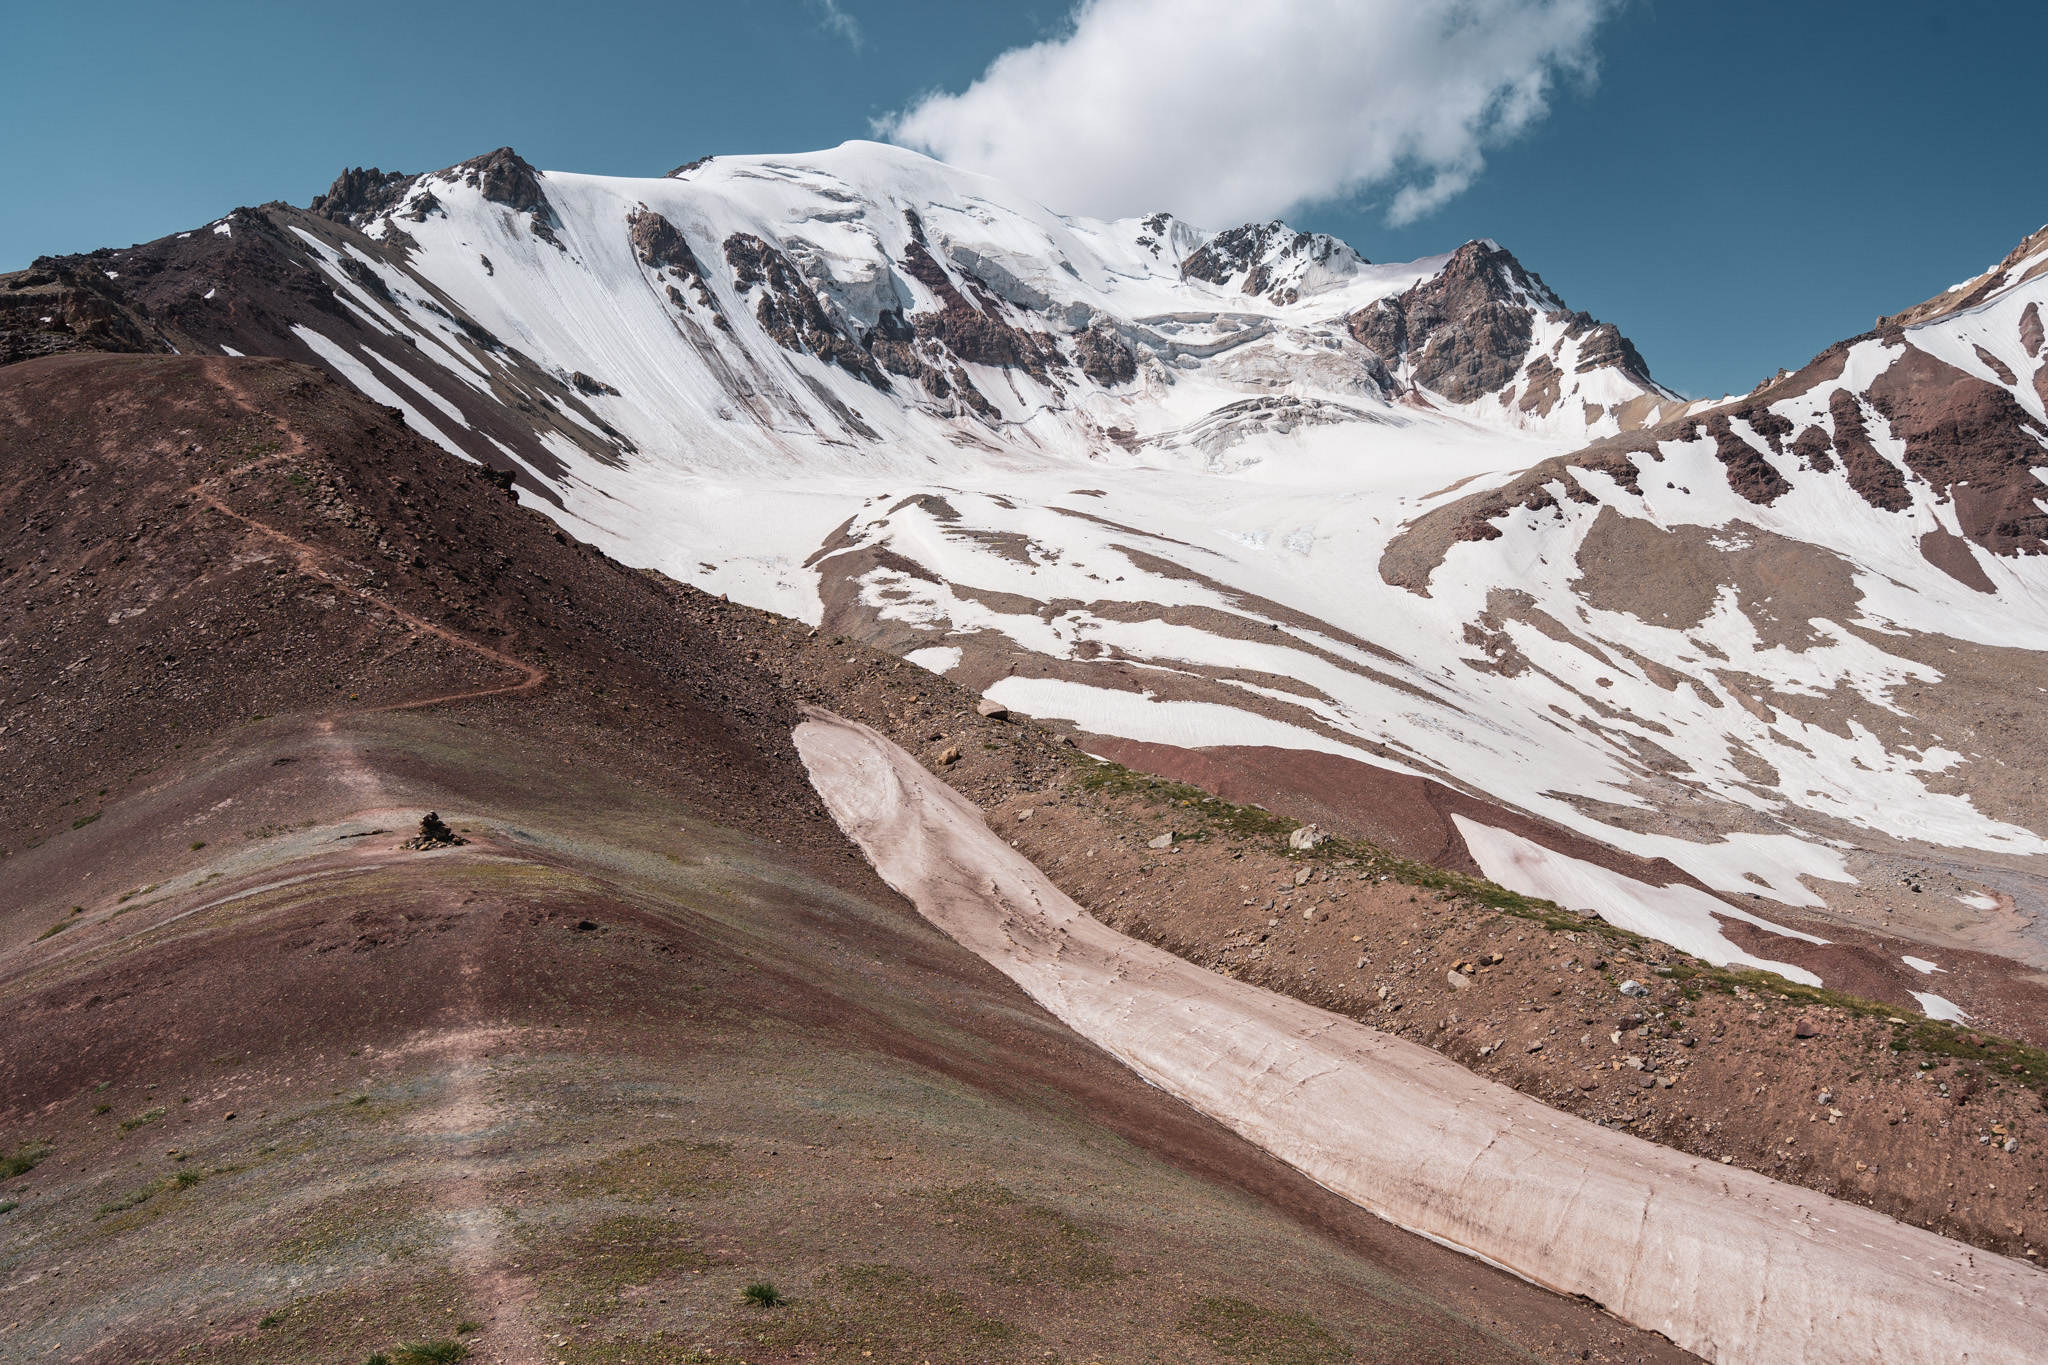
198, 844
82, 821
8, 1206
103, 1109
270, 1320
147, 1116
431, 1353
465, 1327
23, 1160
378, 1358
59, 927
187, 1179
762, 1294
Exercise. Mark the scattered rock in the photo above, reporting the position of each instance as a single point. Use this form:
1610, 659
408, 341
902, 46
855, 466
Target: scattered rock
1805, 1030
1457, 980
1162, 841
951, 755
993, 709
434, 833
1301, 877
586, 926
1536, 1046
1026, 814
1307, 837
1634, 988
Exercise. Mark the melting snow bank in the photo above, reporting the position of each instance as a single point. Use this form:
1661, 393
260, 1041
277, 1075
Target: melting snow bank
1682, 916
1725, 1262
1934, 1007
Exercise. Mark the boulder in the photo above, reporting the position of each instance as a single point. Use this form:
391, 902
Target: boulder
993, 709
1307, 837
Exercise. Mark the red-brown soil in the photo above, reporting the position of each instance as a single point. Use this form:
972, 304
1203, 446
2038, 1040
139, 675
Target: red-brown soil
280, 1089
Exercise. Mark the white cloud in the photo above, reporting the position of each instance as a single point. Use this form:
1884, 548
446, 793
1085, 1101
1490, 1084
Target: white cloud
835, 20
1223, 112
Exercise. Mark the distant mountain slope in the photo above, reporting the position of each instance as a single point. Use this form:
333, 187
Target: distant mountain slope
1224, 494
280, 1086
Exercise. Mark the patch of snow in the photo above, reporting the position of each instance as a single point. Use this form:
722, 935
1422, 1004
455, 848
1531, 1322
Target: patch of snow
374, 388
454, 413
1682, 916
1979, 902
1934, 1007
229, 350
223, 228
936, 658
1921, 965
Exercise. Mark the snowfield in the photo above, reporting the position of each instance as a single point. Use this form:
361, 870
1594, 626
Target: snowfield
873, 392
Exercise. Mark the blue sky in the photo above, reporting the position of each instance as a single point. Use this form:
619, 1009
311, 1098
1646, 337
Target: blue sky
1740, 185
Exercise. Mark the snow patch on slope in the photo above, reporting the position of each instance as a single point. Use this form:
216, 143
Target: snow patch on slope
1679, 915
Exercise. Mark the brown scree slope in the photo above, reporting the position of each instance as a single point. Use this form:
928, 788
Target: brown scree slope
278, 1088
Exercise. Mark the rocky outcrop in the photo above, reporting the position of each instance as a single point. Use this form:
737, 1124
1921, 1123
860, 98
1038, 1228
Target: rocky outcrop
505, 177
789, 311
660, 245
1103, 357
1466, 331
50, 309
1973, 442
1876, 479
1972, 292
980, 335
357, 195
1749, 473
1262, 259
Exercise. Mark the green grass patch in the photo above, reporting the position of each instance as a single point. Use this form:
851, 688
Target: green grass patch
1026, 1243
586, 1273
23, 1159
1265, 1336
1211, 813
430, 1353
59, 927
763, 1294
82, 821
143, 1119
890, 1314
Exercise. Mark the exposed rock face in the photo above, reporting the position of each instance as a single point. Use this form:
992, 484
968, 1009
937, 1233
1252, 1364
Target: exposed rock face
1103, 357
358, 194
1262, 258
505, 177
1971, 441
1466, 332
1749, 473
789, 310
1869, 473
979, 335
1972, 292
1604, 345
661, 246
51, 309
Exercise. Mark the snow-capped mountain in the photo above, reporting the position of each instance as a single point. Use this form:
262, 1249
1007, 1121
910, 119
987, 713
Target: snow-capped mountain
1217, 496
